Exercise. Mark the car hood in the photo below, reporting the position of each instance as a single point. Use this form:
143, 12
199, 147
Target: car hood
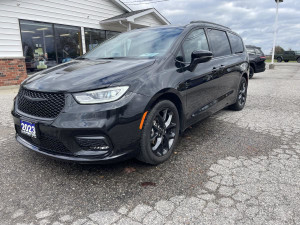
82, 75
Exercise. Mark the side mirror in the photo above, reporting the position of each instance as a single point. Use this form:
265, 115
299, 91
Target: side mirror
199, 57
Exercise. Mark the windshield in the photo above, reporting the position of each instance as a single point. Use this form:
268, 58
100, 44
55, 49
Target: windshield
144, 43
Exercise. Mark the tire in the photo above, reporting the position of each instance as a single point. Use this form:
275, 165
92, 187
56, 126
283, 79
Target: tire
298, 60
279, 59
251, 74
241, 97
162, 126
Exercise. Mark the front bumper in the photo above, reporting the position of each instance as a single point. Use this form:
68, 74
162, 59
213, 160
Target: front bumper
116, 123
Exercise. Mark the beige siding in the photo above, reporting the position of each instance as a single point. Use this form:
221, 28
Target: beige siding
81, 13
148, 20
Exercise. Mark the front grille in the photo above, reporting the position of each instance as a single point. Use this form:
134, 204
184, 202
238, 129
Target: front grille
40, 104
46, 143
53, 144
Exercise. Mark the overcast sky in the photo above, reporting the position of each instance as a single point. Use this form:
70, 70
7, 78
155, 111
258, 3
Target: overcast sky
252, 19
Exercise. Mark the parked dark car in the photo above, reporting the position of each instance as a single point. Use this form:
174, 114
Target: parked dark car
257, 60
288, 56
132, 95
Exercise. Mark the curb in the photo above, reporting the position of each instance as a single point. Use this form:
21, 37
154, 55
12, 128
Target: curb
9, 87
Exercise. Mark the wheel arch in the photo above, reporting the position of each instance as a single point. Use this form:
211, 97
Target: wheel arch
172, 95
245, 75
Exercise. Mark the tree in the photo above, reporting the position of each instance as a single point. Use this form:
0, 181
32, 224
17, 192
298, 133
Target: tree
278, 50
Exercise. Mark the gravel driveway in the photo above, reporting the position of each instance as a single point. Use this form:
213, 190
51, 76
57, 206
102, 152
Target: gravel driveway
232, 168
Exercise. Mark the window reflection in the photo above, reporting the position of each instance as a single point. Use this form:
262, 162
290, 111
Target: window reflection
38, 45
93, 37
68, 42
46, 45
110, 34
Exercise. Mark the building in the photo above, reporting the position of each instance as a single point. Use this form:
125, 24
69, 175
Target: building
36, 35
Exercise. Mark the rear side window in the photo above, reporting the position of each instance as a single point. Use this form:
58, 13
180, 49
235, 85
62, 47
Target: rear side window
236, 43
219, 42
251, 51
195, 41
258, 51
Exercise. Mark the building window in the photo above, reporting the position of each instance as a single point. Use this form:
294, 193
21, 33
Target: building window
68, 42
38, 45
93, 37
110, 34
45, 45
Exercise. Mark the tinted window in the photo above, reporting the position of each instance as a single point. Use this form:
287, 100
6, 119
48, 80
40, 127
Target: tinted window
219, 42
195, 41
236, 43
258, 52
250, 50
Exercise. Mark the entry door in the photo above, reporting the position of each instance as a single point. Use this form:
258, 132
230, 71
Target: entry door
200, 83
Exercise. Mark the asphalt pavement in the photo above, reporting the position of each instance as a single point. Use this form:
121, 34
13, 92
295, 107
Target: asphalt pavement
232, 168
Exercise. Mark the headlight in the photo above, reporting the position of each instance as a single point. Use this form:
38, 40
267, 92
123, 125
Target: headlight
101, 96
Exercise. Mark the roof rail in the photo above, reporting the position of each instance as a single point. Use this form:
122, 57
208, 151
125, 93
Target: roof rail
210, 23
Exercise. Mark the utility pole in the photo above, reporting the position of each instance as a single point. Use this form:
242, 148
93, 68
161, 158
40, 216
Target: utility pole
272, 66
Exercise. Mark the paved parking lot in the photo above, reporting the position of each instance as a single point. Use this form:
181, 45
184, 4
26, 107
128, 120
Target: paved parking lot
232, 168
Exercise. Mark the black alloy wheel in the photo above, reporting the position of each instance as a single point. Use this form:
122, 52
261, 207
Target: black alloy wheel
279, 59
242, 94
251, 72
163, 132
241, 97
298, 60
160, 133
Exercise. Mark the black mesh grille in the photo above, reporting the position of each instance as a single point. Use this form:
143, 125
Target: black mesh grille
40, 104
46, 142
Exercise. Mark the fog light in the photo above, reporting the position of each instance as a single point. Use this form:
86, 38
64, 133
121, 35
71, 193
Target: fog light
93, 143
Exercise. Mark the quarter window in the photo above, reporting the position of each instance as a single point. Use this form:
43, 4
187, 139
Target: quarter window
219, 42
195, 41
236, 43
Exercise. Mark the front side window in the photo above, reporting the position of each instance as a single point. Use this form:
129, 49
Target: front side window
141, 43
219, 42
236, 43
195, 41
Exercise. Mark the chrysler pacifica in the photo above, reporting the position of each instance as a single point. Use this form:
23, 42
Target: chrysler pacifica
132, 95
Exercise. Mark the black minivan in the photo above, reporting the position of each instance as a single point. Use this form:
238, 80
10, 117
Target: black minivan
132, 95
